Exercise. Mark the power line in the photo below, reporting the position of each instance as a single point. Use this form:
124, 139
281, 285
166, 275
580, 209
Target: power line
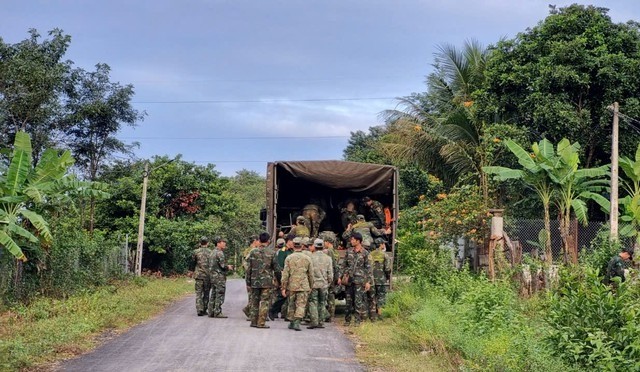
267, 100
234, 138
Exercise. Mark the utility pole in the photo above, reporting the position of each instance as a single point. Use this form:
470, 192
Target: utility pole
143, 205
614, 176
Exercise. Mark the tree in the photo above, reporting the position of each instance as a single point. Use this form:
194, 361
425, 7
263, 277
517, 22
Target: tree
96, 110
558, 78
365, 147
32, 74
23, 186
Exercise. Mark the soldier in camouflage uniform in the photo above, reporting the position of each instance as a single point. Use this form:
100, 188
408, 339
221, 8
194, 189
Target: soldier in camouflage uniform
254, 242
329, 238
313, 215
299, 229
201, 256
218, 270
357, 278
366, 229
259, 279
616, 266
297, 281
322, 276
381, 266
348, 214
375, 212
280, 304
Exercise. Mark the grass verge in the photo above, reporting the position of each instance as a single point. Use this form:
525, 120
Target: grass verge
48, 330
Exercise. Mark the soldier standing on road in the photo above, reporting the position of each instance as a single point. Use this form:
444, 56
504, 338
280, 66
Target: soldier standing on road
202, 256
297, 281
218, 270
280, 257
259, 280
322, 276
329, 238
381, 265
357, 278
375, 212
254, 242
313, 218
299, 229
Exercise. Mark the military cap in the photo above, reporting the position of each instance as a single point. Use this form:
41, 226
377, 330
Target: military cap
366, 199
628, 249
297, 241
380, 241
300, 218
218, 239
318, 243
204, 239
280, 242
360, 217
306, 241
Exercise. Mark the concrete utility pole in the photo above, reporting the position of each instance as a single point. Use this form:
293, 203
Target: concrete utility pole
143, 205
614, 176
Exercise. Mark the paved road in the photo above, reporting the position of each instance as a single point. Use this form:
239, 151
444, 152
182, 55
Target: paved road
178, 340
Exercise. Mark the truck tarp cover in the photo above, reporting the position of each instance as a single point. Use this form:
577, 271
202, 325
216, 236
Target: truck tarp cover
355, 177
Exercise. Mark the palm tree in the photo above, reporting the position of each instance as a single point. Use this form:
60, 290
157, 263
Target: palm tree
438, 130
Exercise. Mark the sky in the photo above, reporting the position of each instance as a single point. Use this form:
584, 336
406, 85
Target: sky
240, 83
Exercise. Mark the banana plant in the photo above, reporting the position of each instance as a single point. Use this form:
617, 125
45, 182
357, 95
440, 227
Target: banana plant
533, 174
631, 203
21, 187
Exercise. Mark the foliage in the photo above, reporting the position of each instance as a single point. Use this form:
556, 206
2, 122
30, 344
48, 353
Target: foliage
32, 74
593, 326
364, 147
600, 251
96, 108
558, 78
415, 185
48, 329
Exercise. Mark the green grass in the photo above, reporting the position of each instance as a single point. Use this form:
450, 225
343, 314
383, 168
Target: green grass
48, 330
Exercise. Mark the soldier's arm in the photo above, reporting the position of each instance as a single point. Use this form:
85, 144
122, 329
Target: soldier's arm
248, 273
285, 275
330, 272
387, 267
310, 273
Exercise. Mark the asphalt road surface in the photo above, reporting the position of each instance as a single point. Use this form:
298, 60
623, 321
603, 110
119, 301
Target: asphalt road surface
178, 340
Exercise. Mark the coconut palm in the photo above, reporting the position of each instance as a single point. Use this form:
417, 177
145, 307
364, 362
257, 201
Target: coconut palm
437, 129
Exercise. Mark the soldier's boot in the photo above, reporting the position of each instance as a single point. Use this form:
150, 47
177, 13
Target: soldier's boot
312, 326
296, 325
201, 313
245, 310
320, 325
291, 324
221, 315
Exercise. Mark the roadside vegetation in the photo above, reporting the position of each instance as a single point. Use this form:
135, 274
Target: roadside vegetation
51, 329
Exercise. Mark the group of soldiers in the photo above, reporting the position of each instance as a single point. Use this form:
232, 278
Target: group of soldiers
300, 275
210, 276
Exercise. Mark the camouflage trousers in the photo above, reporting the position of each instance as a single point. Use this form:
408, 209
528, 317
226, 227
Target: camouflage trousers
318, 306
203, 287
260, 300
375, 299
247, 309
331, 302
313, 220
297, 304
218, 289
356, 302
278, 305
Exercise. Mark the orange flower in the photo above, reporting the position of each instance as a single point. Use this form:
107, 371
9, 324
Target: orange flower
441, 196
467, 103
417, 128
496, 140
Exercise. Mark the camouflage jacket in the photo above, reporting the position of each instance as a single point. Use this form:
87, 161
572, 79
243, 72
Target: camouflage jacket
260, 268
300, 231
322, 270
366, 229
348, 217
615, 267
376, 213
245, 256
218, 264
381, 266
335, 258
358, 266
297, 275
202, 256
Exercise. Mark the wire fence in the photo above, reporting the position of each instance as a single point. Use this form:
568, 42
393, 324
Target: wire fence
527, 231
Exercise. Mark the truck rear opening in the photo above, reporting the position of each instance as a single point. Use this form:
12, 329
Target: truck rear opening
330, 184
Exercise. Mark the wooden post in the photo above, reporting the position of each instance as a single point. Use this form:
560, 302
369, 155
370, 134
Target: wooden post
613, 217
143, 204
496, 240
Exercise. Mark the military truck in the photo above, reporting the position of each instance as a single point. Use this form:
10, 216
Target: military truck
330, 184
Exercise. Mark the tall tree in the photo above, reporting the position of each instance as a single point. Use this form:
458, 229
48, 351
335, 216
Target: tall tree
32, 73
558, 79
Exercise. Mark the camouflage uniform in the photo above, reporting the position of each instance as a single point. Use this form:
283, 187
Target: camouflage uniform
322, 276
245, 264
381, 266
278, 304
313, 218
202, 256
218, 271
615, 268
348, 217
297, 281
376, 214
300, 230
329, 236
358, 268
259, 278
366, 229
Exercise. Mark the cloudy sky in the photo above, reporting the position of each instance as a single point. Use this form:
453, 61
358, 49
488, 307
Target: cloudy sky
238, 83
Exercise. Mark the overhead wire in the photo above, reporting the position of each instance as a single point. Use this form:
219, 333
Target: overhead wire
283, 100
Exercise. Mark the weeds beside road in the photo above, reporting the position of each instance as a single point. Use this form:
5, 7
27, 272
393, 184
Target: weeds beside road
48, 330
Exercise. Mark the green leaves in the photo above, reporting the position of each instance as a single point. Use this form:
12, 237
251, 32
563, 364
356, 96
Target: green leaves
20, 163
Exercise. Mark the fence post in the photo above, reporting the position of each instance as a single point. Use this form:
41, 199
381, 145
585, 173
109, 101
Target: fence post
496, 238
